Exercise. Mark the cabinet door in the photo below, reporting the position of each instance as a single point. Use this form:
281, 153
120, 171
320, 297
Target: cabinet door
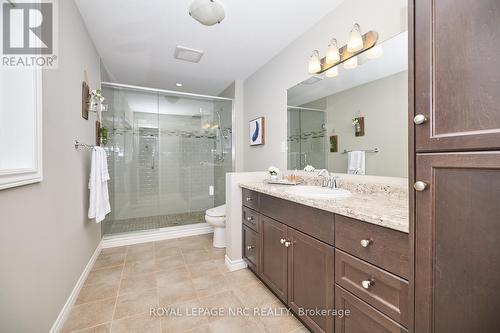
457, 258
362, 318
457, 76
251, 248
274, 256
310, 279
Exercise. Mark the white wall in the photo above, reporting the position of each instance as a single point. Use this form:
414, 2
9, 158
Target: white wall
265, 90
46, 239
384, 105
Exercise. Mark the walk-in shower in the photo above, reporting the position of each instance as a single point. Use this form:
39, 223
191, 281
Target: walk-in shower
168, 154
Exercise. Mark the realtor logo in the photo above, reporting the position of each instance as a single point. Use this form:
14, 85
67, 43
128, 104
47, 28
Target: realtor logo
29, 34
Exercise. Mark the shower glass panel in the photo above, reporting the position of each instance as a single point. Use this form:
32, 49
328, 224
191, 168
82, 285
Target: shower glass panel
168, 155
306, 138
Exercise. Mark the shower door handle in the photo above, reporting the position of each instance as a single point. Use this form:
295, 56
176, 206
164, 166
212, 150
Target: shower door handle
153, 160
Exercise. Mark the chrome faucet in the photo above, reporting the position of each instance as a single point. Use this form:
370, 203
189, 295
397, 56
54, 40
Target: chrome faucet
328, 180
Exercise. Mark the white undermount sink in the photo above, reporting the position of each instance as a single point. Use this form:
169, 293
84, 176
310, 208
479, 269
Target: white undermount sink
318, 192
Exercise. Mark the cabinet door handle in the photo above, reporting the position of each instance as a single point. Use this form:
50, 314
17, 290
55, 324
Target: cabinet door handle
419, 119
420, 186
288, 243
250, 247
366, 242
367, 283
248, 199
282, 241
250, 218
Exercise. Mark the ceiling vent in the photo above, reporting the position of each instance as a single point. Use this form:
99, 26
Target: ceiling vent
187, 54
312, 80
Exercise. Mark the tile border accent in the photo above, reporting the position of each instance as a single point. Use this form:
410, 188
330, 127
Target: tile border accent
156, 235
63, 315
235, 265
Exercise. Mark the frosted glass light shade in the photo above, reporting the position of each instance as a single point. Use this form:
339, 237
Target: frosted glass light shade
332, 72
351, 63
355, 42
332, 53
314, 63
375, 52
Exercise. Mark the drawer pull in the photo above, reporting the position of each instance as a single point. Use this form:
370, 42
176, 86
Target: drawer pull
249, 199
250, 218
367, 283
366, 242
282, 241
287, 243
250, 247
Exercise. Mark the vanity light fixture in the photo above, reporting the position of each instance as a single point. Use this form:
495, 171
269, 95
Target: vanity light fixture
332, 72
375, 52
332, 53
314, 62
351, 63
355, 42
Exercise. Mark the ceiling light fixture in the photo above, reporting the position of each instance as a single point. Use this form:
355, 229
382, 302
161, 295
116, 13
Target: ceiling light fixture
314, 62
207, 12
332, 53
355, 42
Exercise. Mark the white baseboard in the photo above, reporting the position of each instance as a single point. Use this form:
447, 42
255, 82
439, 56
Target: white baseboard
234, 265
63, 315
157, 235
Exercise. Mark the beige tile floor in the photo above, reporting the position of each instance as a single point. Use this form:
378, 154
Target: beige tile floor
185, 273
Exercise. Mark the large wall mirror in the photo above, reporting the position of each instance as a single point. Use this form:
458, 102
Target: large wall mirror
356, 122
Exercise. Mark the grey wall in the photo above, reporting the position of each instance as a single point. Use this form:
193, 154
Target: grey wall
384, 104
45, 237
265, 90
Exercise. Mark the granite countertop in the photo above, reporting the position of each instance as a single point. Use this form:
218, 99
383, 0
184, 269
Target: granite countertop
386, 208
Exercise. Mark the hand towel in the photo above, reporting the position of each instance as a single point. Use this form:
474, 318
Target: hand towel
99, 205
356, 163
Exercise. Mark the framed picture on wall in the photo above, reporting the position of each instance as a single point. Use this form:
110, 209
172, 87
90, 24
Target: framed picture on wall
257, 131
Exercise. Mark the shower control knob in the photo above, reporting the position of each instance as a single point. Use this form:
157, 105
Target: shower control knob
419, 119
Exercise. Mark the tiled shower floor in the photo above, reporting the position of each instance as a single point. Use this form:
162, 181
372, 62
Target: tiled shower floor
152, 222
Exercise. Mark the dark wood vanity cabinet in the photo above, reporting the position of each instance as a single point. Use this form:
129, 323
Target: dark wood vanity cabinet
457, 76
310, 278
299, 262
454, 82
274, 256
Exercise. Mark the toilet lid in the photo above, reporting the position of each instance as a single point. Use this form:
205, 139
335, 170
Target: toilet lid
217, 211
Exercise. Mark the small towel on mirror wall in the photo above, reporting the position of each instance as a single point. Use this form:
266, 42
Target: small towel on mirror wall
356, 162
99, 205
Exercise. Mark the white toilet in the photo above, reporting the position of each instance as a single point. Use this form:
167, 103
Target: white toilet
216, 217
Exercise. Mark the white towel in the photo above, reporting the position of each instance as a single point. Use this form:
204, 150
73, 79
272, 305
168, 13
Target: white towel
356, 162
98, 185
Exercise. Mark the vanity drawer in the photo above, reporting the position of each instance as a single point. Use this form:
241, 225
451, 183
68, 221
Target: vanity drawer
362, 317
251, 218
314, 222
251, 248
384, 291
386, 248
250, 199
